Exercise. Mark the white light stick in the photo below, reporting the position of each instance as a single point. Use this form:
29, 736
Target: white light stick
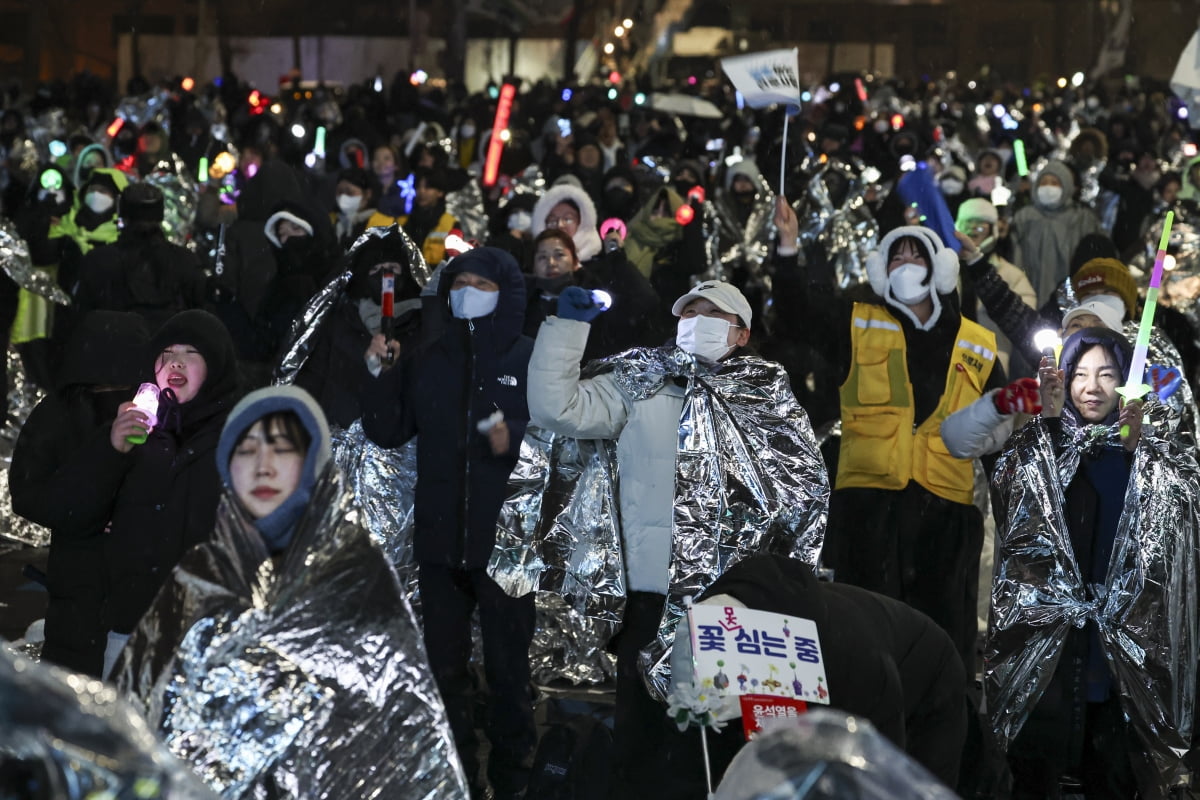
1048, 341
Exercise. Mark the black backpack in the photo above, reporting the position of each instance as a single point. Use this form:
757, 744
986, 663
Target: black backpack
572, 762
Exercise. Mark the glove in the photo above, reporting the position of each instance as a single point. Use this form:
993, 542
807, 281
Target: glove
576, 303
1019, 397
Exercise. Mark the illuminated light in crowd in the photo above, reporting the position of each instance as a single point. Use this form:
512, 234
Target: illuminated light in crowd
612, 94
627, 22
739, 99
255, 98
251, 170
897, 122
602, 299
319, 146
619, 31
378, 84
639, 98
51, 180
907, 163
861, 90
608, 49
298, 131
980, 110
506, 135
614, 77
834, 88
1182, 113
691, 80
202, 172
804, 96
1062, 83
970, 84
1169, 262
1046, 341
187, 84
860, 123
114, 127
418, 77
685, 214
1077, 80
812, 137
58, 149
491, 167
566, 95
493, 91
276, 108
222, 165
408, 191
998, 111
1189, 149
310, 160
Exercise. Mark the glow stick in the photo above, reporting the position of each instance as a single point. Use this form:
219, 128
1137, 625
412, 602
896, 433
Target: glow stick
491, 166
319, 146
1019, 154
1135, 387
202, 172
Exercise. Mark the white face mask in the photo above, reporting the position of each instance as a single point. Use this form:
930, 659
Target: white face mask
951, 187
906, 282
471, 303
98, 201
1049, 196
348, 204
707, 337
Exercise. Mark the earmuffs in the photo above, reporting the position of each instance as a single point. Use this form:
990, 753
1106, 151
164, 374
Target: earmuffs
944, 260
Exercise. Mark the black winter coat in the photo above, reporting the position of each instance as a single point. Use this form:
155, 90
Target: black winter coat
440, 394
53, 463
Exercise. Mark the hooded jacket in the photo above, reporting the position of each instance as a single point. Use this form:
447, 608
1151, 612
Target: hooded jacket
587, 237
162, 496
1045, 237
52, 469
441, 394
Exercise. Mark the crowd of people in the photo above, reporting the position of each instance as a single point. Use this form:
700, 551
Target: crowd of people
631, 311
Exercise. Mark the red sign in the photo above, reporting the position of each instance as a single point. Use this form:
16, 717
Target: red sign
760, 708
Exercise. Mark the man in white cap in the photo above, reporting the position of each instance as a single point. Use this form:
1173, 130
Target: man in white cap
684, 423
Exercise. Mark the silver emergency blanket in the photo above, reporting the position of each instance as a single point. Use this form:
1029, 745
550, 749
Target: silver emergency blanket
180, 197
18, 265
1146, 610
710, 220
847, 233
466, 206
23, 396
151, 107
81, 739
299, 676
749, 478
383, 482
826, 755
306, 328
749, 244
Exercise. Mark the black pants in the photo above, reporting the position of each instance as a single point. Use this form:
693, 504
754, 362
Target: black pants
915, 547
448, 598
639, 722
1105, 770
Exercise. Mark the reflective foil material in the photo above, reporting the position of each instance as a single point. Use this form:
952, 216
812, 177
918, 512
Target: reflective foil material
23, 396
18, 265
1146, 610
305, 328
848, 233
822, 755
81, 740
749, 245
179, 199
298, 676
466, 206
749, 478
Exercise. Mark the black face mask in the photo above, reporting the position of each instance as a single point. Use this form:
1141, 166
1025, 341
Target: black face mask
366, 287
683, 187
744, 198
618, 201
295, 253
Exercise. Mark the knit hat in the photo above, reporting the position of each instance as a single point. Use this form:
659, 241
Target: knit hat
976, 208
1107, 275
277, 527
141, 202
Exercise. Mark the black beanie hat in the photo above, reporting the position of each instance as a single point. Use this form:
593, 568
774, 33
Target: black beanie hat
142, 202
208, 335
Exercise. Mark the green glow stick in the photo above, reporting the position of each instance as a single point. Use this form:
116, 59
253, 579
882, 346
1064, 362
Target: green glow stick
319, 147
202, 173
1019, 154
1135, 387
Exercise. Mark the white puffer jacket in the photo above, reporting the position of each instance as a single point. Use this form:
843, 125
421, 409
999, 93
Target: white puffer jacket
647, 434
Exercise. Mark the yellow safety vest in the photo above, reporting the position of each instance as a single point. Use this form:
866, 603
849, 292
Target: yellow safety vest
882, 447
434, 246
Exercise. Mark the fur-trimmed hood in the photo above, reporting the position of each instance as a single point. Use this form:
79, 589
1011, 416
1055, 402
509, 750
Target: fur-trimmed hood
587, 238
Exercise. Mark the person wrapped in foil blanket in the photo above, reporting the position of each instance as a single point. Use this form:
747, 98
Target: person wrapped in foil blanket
284, 659
1073, 631
742, 470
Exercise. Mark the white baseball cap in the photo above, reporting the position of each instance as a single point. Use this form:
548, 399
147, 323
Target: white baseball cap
724, 296
1110, 310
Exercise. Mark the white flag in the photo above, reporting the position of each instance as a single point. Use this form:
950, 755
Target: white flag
766, 78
